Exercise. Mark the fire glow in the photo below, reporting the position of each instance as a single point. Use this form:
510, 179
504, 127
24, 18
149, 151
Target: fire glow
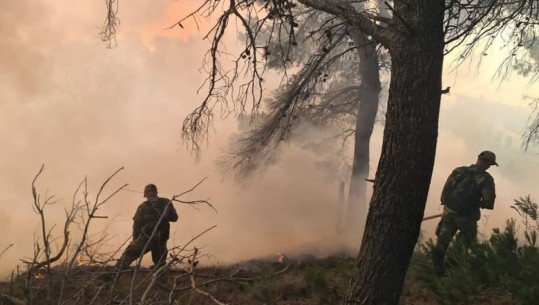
39, 276
79, 261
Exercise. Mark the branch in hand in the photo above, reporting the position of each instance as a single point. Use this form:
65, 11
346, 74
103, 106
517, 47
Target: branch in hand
193, 202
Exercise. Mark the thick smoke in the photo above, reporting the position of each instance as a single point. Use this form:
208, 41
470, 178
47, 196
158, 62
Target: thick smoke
85, 111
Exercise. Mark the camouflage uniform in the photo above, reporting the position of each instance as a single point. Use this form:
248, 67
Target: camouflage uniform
463, 221
146, 219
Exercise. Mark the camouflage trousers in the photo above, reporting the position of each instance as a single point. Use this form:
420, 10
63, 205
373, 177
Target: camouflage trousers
448, 226
140, 246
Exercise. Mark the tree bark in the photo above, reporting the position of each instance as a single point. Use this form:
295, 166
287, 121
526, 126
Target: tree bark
369, 93
409, 146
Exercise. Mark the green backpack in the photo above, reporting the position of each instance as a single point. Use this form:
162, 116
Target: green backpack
461, 192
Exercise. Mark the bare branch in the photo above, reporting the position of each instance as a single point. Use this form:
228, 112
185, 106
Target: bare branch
471, 25
111, 24
360, 19
194, 284
39, 207
175, 198
531, 132
5, 250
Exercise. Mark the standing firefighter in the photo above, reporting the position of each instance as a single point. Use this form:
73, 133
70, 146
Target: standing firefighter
467, 190
151, 229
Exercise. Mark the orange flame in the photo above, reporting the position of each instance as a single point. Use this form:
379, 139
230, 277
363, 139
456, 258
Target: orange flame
282, 258
79, 261
39, 276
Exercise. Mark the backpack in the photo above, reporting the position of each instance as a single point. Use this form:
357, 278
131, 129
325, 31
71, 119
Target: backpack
461, 192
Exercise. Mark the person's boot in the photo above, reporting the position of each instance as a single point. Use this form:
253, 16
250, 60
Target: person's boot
438, 262
121, 266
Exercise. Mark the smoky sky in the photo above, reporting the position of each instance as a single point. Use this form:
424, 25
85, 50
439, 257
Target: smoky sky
83, 110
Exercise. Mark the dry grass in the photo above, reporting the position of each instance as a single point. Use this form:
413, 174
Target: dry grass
252, 282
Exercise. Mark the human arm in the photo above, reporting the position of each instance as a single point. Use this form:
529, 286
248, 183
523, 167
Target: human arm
172, 215
488, 193
170, 212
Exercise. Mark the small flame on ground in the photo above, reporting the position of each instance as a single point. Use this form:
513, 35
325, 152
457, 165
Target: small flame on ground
79, 261
282, 258
39, 276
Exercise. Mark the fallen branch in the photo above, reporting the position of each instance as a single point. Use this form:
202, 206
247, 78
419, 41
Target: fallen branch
194, 285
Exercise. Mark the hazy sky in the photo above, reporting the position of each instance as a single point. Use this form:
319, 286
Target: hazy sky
84, 110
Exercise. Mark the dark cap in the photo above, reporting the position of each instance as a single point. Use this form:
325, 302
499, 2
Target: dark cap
488, 156
150, 188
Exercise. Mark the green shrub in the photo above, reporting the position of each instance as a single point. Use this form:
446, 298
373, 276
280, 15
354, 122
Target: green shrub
499, 265
264, 288
328, 289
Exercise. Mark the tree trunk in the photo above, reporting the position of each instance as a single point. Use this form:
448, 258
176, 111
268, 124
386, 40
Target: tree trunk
409, 146
369, 93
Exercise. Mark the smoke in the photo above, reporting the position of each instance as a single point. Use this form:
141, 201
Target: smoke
85, 111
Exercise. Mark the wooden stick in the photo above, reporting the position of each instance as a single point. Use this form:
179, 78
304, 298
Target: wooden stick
432, 217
